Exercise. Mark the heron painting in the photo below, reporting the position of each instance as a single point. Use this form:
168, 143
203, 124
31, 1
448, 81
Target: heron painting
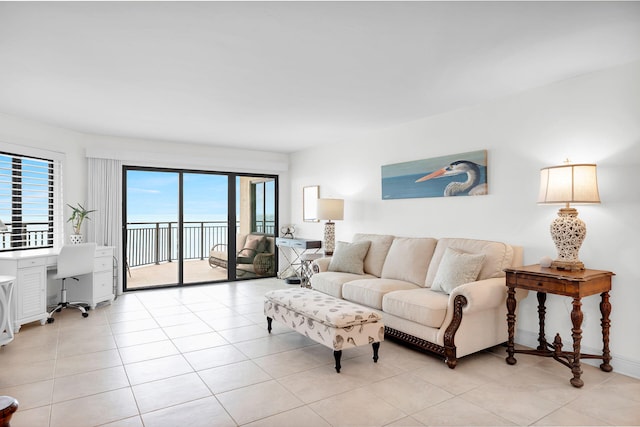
462, 174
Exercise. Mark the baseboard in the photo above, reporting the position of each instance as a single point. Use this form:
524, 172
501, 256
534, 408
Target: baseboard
620, 364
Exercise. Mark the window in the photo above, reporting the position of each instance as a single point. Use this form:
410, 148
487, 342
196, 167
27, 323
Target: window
263, 206
26, 202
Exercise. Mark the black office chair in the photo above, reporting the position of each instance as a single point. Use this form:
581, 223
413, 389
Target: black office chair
73, 260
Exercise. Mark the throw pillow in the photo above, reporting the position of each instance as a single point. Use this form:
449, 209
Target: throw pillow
251, 246
456, 268
349, 257
262, 245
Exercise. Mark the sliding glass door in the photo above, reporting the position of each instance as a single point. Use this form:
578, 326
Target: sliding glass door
256, 214
151, 220
205, 214
187, 227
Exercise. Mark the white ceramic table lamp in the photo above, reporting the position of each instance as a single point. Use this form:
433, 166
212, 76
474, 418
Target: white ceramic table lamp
330, 210
567, 184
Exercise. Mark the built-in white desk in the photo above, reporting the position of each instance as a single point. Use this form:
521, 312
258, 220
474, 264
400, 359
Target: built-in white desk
30, 267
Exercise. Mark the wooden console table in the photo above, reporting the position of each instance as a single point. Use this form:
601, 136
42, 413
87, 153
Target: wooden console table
574, 284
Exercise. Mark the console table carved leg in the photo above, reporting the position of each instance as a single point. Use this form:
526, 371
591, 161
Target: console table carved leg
542, 311
605, 309
576, 334
511, 322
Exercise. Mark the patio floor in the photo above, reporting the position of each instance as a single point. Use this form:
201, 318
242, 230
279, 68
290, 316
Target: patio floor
166, 273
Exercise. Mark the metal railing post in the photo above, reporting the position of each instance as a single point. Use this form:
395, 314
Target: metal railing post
169, 242
201, 241
157, 244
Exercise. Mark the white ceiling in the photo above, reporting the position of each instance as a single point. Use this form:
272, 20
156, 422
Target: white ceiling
282, 76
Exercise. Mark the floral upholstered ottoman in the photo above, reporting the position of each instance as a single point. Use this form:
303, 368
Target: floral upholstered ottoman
332, 322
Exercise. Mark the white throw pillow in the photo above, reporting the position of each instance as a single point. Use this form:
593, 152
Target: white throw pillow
456, 268
349, 257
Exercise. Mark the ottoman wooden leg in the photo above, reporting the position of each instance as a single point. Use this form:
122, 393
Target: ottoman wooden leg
376, 346
269, 319
337, 354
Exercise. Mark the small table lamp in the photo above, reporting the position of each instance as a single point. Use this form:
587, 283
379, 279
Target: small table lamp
330, 209
568, 184
3, 226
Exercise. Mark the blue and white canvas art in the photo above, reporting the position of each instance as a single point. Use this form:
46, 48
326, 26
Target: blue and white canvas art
462, 174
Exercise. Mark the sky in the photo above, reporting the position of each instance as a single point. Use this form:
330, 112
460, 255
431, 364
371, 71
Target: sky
153, 196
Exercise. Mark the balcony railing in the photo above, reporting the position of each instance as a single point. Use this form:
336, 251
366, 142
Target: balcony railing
156, 242
26, 235
147, 242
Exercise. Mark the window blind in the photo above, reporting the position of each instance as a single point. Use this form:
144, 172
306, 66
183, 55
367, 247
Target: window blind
27, 197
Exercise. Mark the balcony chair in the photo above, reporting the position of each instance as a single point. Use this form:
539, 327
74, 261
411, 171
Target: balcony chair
73, 261
256, 255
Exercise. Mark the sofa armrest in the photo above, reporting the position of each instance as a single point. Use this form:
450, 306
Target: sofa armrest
321, 264
483, 294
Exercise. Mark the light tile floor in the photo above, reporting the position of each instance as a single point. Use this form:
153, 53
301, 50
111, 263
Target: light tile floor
201, 356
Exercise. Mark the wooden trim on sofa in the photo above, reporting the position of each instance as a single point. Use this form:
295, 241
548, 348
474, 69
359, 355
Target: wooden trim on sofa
449, 349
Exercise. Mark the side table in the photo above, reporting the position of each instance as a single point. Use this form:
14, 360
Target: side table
6, 290
574, 284
295, 248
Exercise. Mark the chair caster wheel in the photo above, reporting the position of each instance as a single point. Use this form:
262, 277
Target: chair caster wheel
50, 320
85, 314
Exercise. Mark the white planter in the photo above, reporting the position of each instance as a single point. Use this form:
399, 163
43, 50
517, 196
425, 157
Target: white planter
75, 239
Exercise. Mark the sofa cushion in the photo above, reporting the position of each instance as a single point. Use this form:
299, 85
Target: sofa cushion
498, 256
380, 244
369, 292
422, 306
330, 282
456, 268
349, 257
408, 259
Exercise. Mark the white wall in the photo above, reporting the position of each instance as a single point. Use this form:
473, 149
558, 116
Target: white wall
593, 118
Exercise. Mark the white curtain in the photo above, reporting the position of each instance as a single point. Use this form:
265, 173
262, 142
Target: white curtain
105, 196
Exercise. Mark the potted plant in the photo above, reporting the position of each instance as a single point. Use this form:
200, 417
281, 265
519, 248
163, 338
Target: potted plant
78, 214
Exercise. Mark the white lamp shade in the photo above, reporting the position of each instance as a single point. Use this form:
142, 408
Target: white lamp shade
3, 226
569, 184
330, 209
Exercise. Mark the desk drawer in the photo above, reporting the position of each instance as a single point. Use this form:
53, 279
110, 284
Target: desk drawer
100, 252
103, 263
302, 245
102, 285
539, 284
31, 262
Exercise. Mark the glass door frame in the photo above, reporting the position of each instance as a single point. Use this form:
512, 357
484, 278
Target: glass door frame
232, 220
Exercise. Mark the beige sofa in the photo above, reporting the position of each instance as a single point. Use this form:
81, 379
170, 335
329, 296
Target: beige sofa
446, 296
